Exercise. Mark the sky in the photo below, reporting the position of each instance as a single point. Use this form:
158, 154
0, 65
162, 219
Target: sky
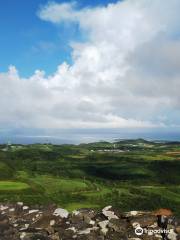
89, 66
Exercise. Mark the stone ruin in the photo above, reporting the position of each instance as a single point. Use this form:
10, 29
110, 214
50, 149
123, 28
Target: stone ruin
20, 222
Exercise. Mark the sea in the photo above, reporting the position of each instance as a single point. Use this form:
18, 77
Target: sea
77, 136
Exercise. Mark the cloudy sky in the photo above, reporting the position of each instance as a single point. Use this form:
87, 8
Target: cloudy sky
83, 65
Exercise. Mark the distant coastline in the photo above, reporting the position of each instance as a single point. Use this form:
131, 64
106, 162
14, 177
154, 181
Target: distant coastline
88, 138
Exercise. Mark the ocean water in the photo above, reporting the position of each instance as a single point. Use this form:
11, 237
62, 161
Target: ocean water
76, 136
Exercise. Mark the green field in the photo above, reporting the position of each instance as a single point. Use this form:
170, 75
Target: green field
129, 174
12, 186
52, 184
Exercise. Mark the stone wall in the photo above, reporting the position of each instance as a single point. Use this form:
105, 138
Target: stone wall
20, 222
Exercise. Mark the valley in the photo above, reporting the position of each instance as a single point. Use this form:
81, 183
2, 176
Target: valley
128, 174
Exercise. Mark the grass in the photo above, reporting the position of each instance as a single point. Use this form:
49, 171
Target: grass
12, 186
164, 192
74, 206
54, 184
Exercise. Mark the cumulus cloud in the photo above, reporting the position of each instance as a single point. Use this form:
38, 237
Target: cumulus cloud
126, 74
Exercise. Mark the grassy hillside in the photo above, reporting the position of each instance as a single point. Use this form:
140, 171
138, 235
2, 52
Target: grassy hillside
129, 174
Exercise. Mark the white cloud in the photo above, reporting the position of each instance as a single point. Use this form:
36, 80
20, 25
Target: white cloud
125, 75
56, 13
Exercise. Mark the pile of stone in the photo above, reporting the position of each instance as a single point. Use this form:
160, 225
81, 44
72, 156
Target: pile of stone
20, 222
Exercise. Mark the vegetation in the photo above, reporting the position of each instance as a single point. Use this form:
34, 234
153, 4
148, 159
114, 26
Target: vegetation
128, 174
12, 186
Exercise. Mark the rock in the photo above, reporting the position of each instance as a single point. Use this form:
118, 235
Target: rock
20, 203
143, 220
172, 235
136, 213
109, 214
45, 221
33, 211
25, 207
84, 214
133, 213
177, 230
61, 213
35, 237
85, 231
103, 226
51, 223
117, 225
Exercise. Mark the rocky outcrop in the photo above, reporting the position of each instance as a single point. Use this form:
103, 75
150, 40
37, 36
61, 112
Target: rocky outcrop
19, 222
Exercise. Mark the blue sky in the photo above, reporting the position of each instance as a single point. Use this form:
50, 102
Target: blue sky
29, 43
89, 65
